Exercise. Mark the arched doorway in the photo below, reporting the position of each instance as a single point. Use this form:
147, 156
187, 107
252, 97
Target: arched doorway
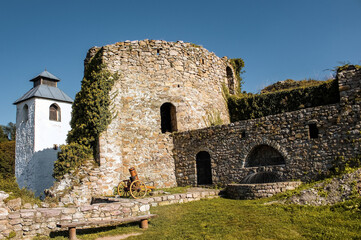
264, 155
204, 169
168, 118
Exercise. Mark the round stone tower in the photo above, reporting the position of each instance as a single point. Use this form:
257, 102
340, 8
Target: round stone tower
163, 87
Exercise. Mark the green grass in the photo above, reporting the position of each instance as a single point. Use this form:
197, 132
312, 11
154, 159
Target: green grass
236, 219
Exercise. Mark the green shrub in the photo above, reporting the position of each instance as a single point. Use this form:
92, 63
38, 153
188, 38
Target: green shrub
249, 106
10, 186
70, 157
290, 84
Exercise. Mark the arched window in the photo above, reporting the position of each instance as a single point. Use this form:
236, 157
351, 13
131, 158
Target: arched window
54, 113
25, 113
168, 118
204, 168
264, 155
230, 80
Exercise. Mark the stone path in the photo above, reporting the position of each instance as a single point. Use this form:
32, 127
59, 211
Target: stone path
118, 237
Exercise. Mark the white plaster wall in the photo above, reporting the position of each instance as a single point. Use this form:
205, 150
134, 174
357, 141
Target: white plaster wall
47, 132
35, 153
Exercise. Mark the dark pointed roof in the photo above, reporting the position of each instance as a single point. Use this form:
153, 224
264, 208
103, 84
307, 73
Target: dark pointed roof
45, 74
44, 90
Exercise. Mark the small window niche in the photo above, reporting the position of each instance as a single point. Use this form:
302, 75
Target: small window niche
243, 134
25, 113
168, 118
312, 131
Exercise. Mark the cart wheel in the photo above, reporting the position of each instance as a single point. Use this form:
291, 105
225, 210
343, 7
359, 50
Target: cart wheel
138, 189
123, 190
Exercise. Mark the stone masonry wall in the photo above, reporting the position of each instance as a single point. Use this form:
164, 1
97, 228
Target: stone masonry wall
153, 73
288, 133
261, 190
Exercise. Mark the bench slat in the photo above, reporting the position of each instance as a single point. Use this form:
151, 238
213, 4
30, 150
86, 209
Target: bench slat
106, 222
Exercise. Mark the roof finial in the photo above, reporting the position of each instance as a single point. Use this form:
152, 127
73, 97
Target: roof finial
45, 68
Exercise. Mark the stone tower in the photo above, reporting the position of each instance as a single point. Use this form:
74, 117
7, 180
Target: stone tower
42, 123
163, 87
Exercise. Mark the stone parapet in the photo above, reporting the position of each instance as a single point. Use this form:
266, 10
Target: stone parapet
260, 190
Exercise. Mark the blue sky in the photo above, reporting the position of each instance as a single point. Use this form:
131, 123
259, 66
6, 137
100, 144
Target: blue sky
277, 39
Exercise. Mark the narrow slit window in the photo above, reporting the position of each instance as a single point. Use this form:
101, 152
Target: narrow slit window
158, 51
313, 130
25, 113
243, 134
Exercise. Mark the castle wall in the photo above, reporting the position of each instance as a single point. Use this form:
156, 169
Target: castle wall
305, 157
153, 73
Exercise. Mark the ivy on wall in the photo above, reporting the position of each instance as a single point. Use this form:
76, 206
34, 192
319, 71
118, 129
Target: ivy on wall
238, 65
249, 106
91, 115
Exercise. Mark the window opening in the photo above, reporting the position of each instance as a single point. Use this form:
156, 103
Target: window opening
54, 113
168, 118
158, 52
230, 80
243, 134
312, 130
25, 113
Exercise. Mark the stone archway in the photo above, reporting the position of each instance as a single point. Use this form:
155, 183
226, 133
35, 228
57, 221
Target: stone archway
204, 168
264, 155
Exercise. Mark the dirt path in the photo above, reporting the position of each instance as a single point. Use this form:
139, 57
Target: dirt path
118, 237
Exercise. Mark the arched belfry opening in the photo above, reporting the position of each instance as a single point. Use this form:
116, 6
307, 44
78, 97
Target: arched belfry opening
168, 116
54, 112
230, 80
204, 168
25, 113
264, 155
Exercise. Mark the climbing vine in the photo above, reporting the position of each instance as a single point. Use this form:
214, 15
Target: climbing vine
238, 65
91, 114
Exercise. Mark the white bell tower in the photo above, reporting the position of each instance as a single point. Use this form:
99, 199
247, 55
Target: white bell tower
43, 117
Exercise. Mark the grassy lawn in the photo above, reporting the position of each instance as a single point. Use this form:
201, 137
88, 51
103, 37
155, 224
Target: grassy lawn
234, 219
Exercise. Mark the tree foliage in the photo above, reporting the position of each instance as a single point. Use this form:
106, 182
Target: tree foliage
7, 159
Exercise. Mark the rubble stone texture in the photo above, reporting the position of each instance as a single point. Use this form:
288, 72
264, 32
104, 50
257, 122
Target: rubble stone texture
230, 146
261, 190
152, 73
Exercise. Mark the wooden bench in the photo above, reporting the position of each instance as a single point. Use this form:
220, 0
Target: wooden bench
73, 225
